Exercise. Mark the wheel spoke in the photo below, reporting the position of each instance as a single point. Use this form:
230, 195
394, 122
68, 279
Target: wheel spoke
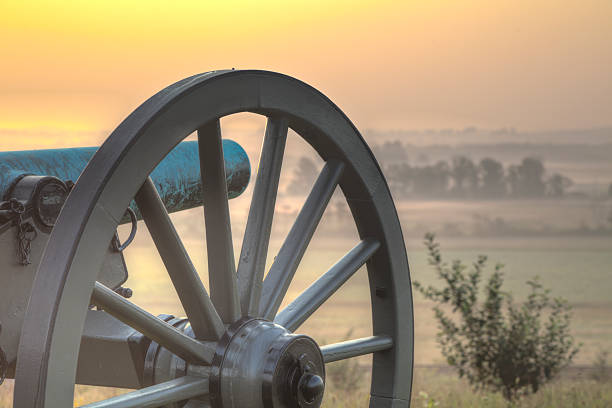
312, 298
257, 234
281, 273
176, 390
157, 330
206, 323
354, 348
221, 263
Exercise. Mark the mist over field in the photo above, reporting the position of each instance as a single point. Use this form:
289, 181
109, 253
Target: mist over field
539, 203
564, 238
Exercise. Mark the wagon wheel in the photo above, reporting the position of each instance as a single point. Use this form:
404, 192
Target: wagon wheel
240, 350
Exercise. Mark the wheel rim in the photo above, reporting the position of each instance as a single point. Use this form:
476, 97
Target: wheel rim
47, 359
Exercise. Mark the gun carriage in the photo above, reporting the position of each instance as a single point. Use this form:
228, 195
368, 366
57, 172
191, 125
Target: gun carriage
64, 309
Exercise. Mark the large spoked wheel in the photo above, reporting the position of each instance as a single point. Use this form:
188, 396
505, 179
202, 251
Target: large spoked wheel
240, 350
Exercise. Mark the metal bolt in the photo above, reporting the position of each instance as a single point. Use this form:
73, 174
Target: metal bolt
125, 292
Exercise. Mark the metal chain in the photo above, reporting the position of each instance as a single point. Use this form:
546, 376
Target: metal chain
26, 233
13, 211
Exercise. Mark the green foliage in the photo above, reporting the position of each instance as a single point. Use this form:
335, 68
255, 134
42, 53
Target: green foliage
601, 371
428, 402
497, 343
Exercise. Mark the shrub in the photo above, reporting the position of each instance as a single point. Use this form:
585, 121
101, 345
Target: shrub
601, 371
496, 343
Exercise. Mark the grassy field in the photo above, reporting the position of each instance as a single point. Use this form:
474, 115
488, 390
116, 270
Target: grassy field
439, 388
432, 387
576, 267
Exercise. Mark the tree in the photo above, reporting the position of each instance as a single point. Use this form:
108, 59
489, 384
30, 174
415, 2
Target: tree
496, 343
492, 176
464, 174
304, 177
390, 152
557, 185
513, 180
526, 179
432, 180
399, 177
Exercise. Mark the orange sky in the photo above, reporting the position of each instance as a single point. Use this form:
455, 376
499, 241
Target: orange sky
71, 71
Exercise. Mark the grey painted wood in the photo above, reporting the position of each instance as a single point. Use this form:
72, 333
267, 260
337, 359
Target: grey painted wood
158, 395
312, 298
288, 259
114, 349
206, 323
152, 327
354, 348
222, 277
62, 288
252, 262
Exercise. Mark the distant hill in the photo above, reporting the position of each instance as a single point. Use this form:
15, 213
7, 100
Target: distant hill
474, 135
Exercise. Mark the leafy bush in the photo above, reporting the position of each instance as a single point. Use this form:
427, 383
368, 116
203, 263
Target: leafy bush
601, 370
496, 343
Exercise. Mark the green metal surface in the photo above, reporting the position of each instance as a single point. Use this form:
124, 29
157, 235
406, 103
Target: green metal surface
177, 177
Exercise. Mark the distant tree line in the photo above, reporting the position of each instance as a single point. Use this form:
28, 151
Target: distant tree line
464, 178
459, 178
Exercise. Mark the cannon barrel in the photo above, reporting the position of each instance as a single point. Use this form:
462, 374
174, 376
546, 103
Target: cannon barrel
177, 177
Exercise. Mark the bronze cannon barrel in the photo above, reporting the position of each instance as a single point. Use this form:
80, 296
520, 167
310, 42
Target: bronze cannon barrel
177, 177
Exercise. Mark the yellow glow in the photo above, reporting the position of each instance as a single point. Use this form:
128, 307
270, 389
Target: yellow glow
389, 64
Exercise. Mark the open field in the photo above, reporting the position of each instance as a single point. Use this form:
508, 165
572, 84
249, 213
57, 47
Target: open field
545, 220
576, 267
432, 388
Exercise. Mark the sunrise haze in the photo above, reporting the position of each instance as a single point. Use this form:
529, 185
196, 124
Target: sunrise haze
69, 75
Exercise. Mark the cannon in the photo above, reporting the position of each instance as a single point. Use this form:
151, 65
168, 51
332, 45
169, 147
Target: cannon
64, 305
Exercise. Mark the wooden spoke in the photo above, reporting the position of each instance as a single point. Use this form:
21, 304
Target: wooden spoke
252, 261
206, 323
286, 262
354, 348
152, 327
158, 395
221, 263
312, 298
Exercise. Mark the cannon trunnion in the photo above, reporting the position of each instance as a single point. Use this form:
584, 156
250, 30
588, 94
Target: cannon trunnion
64, 303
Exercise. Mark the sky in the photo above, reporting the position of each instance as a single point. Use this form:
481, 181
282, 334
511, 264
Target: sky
71, 71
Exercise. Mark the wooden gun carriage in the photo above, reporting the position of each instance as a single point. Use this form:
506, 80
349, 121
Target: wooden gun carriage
64, 303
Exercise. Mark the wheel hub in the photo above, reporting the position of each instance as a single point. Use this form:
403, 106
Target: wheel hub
260, 364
